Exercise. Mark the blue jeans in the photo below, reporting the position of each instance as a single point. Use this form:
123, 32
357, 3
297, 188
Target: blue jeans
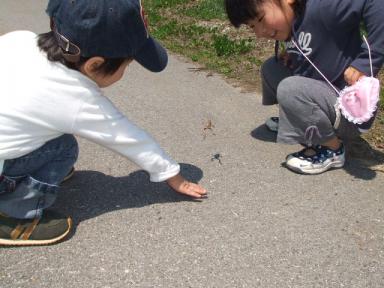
30, 183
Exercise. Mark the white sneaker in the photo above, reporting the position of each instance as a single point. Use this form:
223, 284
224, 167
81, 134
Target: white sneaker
272, 124
323, 160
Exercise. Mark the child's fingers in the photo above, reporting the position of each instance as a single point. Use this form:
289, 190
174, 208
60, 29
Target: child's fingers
180, 185
194, 195
194, 190
197, 188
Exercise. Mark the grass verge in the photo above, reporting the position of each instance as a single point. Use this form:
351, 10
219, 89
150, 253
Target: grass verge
199, 30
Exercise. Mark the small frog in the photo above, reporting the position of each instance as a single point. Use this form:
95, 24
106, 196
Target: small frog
217, 157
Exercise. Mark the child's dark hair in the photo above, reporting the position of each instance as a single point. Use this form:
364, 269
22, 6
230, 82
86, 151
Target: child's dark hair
48, 43
241, 11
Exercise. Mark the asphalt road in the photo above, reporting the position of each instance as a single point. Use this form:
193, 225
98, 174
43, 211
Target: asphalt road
262, 225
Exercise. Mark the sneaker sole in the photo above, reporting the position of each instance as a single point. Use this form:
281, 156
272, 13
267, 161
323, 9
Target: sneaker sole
332, 165
9, 242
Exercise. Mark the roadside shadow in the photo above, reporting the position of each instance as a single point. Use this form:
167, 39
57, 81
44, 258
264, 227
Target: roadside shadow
90, 193
262, 133
364, 161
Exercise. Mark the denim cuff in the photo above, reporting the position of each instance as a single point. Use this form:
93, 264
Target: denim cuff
41, 186
25, 197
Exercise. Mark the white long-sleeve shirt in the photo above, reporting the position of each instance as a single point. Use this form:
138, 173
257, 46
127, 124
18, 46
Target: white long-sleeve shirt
42, 100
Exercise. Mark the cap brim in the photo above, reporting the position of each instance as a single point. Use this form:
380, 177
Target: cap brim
152, 56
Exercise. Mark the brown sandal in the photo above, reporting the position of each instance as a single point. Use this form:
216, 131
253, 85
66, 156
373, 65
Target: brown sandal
49, 229
69, 175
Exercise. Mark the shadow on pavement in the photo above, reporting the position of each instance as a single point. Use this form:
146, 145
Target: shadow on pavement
90, 193
262, 133
364, 162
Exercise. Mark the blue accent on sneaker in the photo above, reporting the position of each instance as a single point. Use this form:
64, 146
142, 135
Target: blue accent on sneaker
322, 153
323, 160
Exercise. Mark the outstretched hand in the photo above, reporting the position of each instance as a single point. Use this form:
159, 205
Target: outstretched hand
182, 186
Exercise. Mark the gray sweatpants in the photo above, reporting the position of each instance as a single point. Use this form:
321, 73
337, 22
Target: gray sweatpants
306, 107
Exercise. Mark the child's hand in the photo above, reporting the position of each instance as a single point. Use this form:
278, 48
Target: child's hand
351, 75
180, 185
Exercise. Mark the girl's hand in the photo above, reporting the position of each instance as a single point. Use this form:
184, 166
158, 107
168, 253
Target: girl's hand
351, 75
182, 186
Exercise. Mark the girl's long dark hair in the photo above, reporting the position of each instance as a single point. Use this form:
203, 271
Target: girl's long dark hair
47, 42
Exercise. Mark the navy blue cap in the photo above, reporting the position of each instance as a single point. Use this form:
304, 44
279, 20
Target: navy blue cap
108, 28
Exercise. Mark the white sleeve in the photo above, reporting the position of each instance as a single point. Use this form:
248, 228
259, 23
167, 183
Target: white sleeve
101, 122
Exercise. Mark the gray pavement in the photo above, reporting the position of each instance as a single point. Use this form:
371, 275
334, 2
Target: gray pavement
262, 226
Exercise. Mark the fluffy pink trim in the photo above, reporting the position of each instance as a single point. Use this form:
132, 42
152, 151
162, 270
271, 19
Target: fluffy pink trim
359, 101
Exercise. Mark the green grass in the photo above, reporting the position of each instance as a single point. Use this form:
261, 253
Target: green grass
207, 10
173, 22
226, 47
381, 107
162, 3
